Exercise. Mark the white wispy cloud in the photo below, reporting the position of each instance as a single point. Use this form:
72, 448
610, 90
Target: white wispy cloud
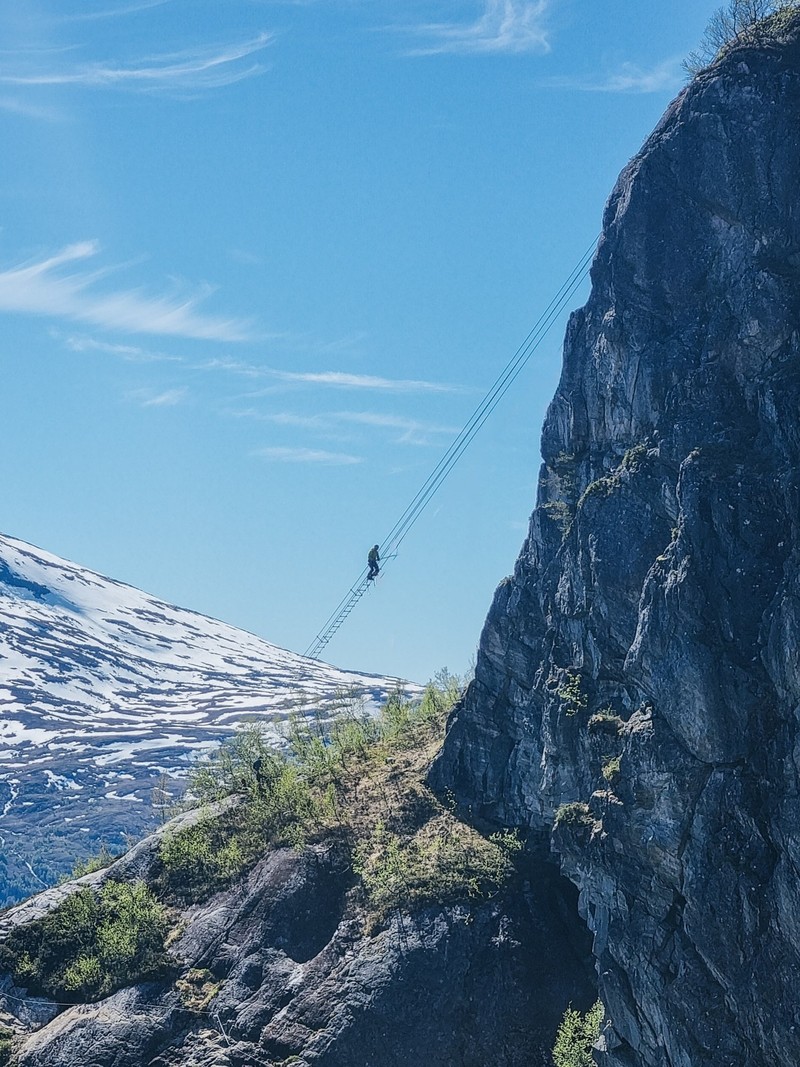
514, 26
208, 68
168, 398
245, 257
410, 431
287, 341
278, 454
289, 418
344, 380
132, 353
227, 365
47, 288
406, 431
666, 76
112, 12
340, 344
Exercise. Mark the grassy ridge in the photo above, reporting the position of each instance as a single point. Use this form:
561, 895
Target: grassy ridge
360, 777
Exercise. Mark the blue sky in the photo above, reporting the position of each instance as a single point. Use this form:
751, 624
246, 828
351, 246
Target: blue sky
260, 260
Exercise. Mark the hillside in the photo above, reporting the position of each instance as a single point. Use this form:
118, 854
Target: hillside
332, 911
107, 693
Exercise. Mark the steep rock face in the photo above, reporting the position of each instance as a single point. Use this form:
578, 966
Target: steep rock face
642, 663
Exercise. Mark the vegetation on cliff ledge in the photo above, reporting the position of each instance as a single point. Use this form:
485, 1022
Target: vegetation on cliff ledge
576, 1035
6, 1045
358, 781
741, 22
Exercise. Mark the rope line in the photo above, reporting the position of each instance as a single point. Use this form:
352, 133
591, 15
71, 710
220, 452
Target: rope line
395, 537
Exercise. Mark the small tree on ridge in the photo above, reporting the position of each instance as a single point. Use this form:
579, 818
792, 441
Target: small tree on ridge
738, 20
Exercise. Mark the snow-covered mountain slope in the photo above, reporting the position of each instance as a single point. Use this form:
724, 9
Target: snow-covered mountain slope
105, 690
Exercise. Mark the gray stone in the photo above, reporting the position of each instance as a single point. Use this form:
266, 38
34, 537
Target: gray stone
296, 977
661, 572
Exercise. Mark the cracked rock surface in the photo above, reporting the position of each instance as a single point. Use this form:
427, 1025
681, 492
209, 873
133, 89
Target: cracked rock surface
641, 665
290, 975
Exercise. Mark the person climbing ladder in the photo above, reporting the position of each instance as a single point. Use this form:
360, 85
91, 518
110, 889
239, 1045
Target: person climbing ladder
372, 560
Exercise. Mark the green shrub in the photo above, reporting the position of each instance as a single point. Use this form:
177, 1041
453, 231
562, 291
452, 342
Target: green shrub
558, 511
102, 859
634, 459
570, 693
232, 768
507, 841
611, 770
632, 462
91, 944
562, 477
443, 862
351, 736
781, 19
561, 487
7, 1042
85, 973
199, 860
324, 752
279, 810
197, 988
440, 696
606, 721
288, 797
575, 815
600, 487
576, 1035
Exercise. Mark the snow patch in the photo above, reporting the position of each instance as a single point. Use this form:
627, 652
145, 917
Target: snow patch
61, 782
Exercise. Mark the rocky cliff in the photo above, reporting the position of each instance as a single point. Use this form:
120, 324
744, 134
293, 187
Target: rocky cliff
634, 712
637, 692
280, 971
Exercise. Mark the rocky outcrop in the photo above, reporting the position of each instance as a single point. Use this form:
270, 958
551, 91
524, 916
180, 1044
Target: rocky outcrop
281, 969
637, 691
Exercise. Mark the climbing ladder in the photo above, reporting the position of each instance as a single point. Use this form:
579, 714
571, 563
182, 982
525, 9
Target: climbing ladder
337, 618
391, 543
